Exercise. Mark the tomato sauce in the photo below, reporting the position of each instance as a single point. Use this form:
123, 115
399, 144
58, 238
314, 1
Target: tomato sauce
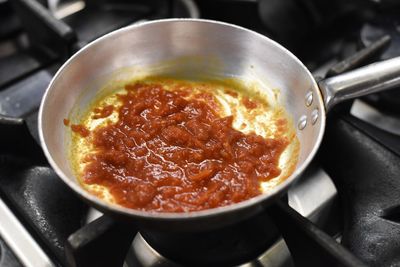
168, 153
80, 129
231, 93
103, 112
249, 103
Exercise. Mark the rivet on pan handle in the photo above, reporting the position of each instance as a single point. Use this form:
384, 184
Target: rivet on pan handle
372, 78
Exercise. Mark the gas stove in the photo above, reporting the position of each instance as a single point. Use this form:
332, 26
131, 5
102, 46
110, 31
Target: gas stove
343, 211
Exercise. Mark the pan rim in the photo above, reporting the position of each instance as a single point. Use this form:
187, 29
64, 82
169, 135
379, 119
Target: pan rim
168, 216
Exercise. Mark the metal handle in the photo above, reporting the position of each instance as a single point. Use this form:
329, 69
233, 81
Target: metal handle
366, 80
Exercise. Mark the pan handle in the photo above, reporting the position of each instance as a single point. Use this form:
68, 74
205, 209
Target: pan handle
372, 78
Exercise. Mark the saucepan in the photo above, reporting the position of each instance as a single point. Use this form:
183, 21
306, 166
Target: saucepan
207, 47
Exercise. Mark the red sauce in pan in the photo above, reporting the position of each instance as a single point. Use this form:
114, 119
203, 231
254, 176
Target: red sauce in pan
231, 93
80, 129
248, 103
103, 112
169, 154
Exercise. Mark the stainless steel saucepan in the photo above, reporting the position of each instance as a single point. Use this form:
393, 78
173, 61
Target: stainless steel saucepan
203, 47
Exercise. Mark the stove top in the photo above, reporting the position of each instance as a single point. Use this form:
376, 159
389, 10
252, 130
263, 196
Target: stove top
348, 196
